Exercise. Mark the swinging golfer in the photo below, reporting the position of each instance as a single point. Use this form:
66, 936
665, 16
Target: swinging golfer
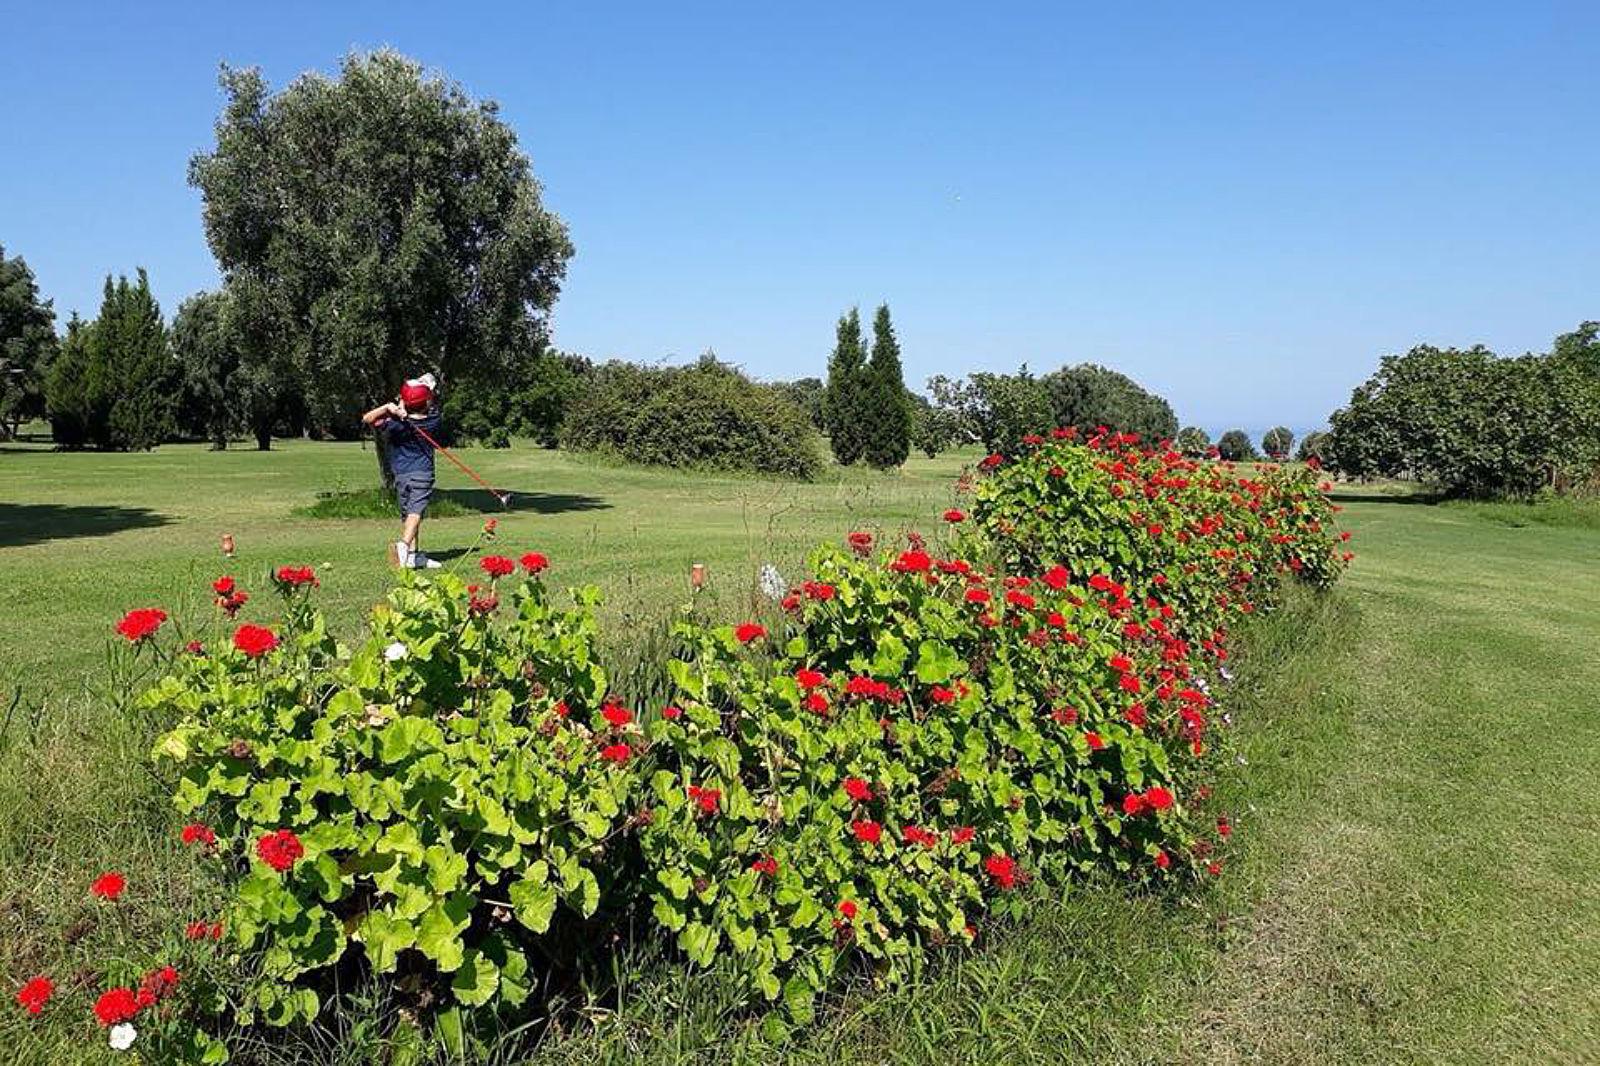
410, 461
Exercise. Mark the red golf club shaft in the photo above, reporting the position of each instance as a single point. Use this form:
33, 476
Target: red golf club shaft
448, 454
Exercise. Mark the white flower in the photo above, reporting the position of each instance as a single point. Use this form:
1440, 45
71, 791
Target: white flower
395, 651
772, 584
122, 1036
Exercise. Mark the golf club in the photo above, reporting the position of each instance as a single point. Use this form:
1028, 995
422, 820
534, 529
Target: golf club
503, 497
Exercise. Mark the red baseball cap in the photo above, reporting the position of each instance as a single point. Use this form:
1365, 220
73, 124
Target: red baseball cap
415, 395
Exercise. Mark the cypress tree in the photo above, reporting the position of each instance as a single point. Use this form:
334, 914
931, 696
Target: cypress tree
842, 405
129, 379
887, 412
65, 387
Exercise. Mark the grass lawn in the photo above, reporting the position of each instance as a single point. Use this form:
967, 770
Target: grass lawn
84, 537
1419, 836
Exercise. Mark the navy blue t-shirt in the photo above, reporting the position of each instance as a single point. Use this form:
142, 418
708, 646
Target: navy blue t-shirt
408, 452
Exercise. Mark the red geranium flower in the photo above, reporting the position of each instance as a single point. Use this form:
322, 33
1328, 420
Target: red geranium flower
108, 886
496, 565
196, 833
1163, 860
534, 562
766, 865
817, 703
142, 623
867, 831
809, 679
115, 1006
749, 631
1057, 577
35, 994
617, 715
952, 516
912, 562
223, 586
254, 641
940, 694
977, 596
1003, 868
705, 798
1094, 741
849, 909
296, 576
912, 834
857, 789
158, 983
1132, 804
194, 647
280, 850
1158, 798
616, 753
860, 543
670, 712
963, 835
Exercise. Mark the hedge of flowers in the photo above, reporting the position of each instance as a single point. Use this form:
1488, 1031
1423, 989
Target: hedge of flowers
862, 774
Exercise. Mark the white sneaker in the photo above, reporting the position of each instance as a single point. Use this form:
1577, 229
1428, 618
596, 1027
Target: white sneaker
421, 561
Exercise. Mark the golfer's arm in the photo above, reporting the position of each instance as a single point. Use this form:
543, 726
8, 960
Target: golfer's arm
379, 414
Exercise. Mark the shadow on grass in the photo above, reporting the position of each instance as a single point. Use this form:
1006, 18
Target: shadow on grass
446, 503
32, 523
1419, 497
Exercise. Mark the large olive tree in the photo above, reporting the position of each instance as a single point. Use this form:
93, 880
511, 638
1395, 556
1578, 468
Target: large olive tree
374, 225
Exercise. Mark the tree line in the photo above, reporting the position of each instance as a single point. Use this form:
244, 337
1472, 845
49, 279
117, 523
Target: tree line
1476, 424
378, 223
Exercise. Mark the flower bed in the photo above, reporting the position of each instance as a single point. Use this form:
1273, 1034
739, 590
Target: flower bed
865, 775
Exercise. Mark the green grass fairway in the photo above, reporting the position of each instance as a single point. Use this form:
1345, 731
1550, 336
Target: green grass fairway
84, 537
1417, 878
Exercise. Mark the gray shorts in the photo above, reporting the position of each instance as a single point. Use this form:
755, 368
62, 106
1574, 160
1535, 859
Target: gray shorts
413, 492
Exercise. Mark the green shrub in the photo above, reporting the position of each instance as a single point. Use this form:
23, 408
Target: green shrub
445, 778
706, 416
1474, 424
852, 781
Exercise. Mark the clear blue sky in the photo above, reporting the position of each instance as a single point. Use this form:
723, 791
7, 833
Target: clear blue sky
1242, 206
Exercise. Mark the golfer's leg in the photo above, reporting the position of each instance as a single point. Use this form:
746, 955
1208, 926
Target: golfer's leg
408, 532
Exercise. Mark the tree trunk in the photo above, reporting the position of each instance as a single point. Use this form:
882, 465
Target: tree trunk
380, 442
264, 440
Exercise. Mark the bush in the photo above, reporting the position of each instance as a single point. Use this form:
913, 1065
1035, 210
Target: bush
530, 400
1235, 446
1091, 397
856, 780
706, 416
1193, 441
1277, 442
1474, 424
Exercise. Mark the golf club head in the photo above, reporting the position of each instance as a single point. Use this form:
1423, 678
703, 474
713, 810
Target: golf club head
505, 499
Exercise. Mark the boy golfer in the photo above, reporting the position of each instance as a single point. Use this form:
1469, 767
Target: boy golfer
410, 461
